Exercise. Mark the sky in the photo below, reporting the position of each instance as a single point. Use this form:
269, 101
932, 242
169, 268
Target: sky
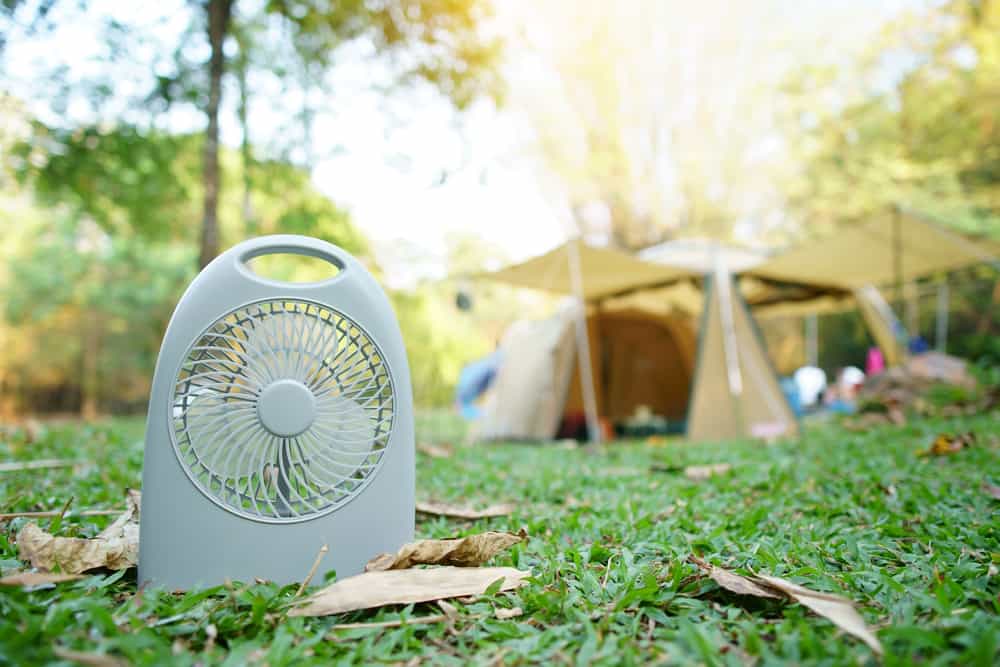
411, 170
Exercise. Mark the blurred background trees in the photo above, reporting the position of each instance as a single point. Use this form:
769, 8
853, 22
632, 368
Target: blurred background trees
180, 129
117, 206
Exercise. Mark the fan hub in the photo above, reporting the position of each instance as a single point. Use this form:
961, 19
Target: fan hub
286, 408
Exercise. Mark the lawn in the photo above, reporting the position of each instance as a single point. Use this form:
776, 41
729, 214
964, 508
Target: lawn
914, 541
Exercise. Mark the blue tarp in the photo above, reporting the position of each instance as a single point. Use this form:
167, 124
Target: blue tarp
473, 381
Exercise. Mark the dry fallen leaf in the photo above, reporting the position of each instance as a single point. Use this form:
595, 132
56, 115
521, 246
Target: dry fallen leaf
41, 464
992, 490
89, 659
115, 548
470, 551
834, 608
37, 578
946, 443
378, 589
434, 451
503, 613
733, 582
458, 512
699, 473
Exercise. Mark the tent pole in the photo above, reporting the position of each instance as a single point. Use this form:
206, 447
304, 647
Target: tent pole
941, 332
723, 283
583, 345
897, 257
812, 340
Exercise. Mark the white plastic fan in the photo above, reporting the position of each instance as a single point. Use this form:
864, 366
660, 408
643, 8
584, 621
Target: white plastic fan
289, 420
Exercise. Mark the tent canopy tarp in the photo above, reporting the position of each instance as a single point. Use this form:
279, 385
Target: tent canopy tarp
867, 254
604, 272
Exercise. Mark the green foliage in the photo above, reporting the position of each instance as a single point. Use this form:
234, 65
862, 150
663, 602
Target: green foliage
88, 310
438, 344
440, 42
930, 140
90, 286
913, 540
123, 178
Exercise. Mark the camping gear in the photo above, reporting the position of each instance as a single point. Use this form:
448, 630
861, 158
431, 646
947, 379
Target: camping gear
280, 421
875, 361
810, 382
473, 381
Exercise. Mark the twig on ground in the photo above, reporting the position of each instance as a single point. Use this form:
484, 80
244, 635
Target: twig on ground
41, 464
312, 571
48, 514
397, 623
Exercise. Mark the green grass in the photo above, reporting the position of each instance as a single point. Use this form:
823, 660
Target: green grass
913, 541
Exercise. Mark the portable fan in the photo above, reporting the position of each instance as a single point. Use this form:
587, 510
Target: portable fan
280, 420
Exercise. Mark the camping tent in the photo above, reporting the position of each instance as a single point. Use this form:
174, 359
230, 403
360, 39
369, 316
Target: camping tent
638, 359
640, 354
884, 252
888, 250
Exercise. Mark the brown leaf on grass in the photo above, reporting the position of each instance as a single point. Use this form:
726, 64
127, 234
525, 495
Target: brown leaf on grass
459, 512
946, 443
840, 611
470, 551
37, 578
89, 659
733, 582
40, 464
699, 473
503, 613
434, 451
992, 490
115, 548
370, 590
867, 420
696, 473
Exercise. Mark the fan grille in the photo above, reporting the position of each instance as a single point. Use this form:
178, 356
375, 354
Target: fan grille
224, 435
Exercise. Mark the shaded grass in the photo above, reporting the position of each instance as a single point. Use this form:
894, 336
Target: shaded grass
914, 541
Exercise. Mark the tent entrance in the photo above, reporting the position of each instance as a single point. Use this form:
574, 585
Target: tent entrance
641, 362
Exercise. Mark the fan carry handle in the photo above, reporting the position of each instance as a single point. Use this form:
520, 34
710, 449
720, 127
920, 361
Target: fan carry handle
289, 244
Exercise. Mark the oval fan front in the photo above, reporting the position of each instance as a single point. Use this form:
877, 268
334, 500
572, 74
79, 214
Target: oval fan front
282, 410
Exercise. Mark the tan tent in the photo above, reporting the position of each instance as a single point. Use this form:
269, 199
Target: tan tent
639, 359
736, 392
604, 272
903, 247
643, 355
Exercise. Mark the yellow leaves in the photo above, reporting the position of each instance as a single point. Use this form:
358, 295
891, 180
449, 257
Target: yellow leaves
946, 444
470, 551
115, 548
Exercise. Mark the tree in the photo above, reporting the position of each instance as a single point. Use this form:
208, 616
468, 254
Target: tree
434, 42
928, 138
656, 116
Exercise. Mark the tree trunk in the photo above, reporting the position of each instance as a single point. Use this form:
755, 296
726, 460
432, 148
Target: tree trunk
219, 12
90, 372
246, 152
